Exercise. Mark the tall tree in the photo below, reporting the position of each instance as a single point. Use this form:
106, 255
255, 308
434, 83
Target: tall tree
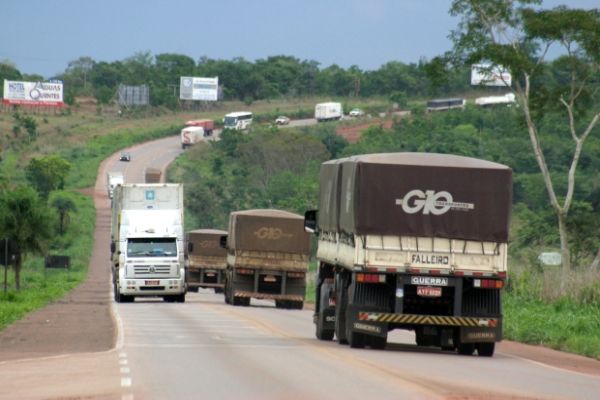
511, 34
47, 173
26, 223
64, 204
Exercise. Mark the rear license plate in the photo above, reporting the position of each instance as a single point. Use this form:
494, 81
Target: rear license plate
151, 283
270, 278
429, 291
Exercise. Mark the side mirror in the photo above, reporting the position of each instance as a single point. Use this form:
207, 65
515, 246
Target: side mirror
190, 247
113, 247
310, 221
223, 241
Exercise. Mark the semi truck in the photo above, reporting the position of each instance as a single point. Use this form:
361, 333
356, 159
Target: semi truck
206, 260
412, 241
147, 242
328, 111
152, 175
195, 131
113, 179
267, 258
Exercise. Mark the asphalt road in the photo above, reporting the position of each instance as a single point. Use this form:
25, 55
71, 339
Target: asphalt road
206, 349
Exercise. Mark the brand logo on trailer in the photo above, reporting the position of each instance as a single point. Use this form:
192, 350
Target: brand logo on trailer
269, 233
431, 202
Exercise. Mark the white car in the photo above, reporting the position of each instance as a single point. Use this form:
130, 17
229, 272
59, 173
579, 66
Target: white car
282, 120
356, 112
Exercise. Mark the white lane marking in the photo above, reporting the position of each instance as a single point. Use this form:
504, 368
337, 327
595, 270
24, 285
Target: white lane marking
125, 382
125, 370
123, 362
122, 355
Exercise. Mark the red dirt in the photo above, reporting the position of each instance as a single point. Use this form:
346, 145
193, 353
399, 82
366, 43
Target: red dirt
352, 133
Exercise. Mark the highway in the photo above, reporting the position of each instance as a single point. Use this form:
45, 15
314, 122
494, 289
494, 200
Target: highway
204, 348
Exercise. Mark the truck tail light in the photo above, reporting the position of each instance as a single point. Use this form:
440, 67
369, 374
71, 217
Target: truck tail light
488, 283
370, 278
245, 271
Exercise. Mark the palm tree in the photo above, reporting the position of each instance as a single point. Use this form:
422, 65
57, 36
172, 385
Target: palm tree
26, 221
63, 205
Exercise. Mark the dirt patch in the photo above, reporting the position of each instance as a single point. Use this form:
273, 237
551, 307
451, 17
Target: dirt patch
352, 133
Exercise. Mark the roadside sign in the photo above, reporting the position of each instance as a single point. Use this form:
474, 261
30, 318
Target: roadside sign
550, 258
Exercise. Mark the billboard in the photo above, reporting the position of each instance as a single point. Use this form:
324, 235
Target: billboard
488, 75
193, 88
133, 95
33, 93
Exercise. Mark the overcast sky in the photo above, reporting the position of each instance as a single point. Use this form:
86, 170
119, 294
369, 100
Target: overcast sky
42, 36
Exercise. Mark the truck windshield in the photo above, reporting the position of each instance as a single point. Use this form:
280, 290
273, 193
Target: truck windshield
151, 247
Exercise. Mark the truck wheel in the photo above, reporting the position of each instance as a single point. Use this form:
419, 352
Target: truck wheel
341, 302
466, 349
180, 298
486, 349
117, 294
218, 290
238, 301
297, 305
356, 340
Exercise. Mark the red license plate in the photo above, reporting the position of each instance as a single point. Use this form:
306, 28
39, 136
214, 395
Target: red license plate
429, 291
151, 283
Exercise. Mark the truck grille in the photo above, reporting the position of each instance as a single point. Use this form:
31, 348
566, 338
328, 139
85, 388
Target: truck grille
151, 270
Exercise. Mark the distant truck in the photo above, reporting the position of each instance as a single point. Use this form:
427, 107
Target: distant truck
195, 130
446, 104
412, 241
152, 175
206, 260
328, 112
507, 99
113, 179
267, 258
147, 248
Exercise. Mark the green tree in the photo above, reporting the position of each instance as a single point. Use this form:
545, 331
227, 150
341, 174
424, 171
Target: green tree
64, 205
509, 34
47, 173
26, 222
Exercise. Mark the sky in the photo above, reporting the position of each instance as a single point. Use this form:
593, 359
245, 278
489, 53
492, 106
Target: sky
42, 36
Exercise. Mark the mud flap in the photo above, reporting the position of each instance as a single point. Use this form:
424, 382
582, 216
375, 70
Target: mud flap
481, 334
379, 329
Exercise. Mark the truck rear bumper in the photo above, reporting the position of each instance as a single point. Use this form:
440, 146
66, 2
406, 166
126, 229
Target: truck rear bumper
205, 278
267, 296
467, 329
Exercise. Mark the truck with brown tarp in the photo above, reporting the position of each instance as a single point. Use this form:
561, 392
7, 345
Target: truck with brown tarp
206, 260
267, 258
152, 175
412, 241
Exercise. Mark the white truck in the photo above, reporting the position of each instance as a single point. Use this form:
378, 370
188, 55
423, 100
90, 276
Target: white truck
113, 179
195, 131
507, 99
328, 112
414, 241
147, 242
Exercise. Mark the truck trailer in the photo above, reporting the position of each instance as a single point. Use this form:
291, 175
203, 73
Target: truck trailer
328, 111
206, 260
152, 175
267, 258
412, 241
195, 131
146, 247
113, 179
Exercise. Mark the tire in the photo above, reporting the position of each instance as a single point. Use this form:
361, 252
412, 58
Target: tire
466, 349
486, 349
341, 301
117, 294
297, 305
180, 298
356, 340
219, 290
240, 301
281, 304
